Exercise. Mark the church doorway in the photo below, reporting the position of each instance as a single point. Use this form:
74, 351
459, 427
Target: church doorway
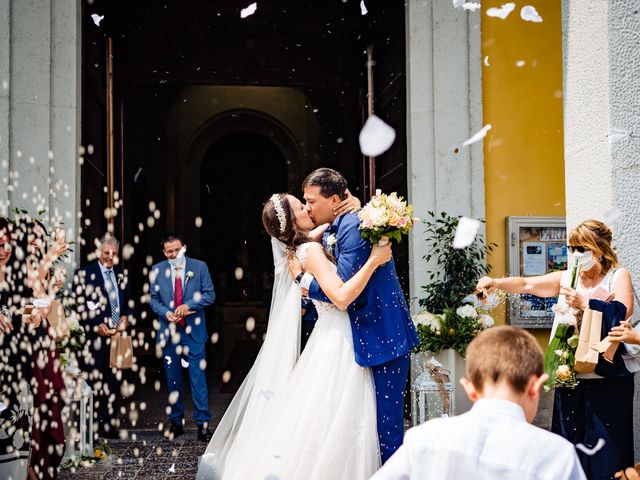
195, 115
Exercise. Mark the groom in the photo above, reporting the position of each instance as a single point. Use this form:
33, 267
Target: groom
383, 332
181, 289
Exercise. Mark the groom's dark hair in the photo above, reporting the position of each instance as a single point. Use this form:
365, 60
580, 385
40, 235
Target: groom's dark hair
331, 182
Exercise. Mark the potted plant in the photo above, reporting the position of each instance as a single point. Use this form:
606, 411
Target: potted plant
450, 316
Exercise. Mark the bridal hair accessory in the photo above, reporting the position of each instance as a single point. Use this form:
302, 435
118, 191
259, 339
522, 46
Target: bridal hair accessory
282, 217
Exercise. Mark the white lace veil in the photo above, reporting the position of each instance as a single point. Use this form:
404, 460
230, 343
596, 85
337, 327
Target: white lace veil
244, 418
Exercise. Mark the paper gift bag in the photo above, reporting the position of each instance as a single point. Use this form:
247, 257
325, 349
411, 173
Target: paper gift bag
590, 334
57, 321
121, 351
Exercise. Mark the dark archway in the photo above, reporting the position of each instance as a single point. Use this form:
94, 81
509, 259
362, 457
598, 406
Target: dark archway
238, 173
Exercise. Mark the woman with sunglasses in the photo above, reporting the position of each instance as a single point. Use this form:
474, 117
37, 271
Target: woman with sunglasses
598, 407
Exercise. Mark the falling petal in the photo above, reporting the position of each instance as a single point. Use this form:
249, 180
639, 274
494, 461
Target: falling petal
486, 61
184, 363
168, 359
363, 8
502, 12
458, 3
376, 137
250, 324
590, 451
198, 222
466, 232
611, 215
520, 63
97, 18
250, 10
182, 251
478, 135
135, 177
530, 14
173, 468
226, 376
238, 273
3, 407
92, 305
471, 6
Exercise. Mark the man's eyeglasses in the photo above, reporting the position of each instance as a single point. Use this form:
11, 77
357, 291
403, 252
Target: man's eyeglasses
578, 248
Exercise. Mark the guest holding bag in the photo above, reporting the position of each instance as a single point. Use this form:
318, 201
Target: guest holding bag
103, 304
601, 405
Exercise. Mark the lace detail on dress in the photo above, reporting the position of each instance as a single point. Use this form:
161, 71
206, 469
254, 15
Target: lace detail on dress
301, 253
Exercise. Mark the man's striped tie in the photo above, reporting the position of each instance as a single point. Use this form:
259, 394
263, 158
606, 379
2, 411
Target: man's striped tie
113, 298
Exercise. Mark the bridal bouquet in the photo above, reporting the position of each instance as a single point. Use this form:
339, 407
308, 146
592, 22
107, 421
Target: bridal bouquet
385, 217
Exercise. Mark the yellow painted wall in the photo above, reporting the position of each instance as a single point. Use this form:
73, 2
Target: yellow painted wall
523, 152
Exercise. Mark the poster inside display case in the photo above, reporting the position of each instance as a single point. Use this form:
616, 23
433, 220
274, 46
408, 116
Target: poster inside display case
537, 245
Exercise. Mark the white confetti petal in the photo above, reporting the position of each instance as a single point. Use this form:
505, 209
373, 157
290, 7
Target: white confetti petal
226, 376
184, 363
92, 305
530, 14
486, 61
478, 135
97, 18
250, 324
471, 6
168, 359
458, 3
376, 137
502, 12
238, 273
250, 10
3, 407
182, 251
135, 177
466, 232
520, 63
173, 468
611, 215
590, 451
363, 8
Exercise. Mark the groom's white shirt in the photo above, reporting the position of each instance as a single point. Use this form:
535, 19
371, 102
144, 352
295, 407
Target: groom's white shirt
491, 441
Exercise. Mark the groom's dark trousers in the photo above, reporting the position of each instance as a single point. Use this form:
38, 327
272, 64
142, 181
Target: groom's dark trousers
383, 332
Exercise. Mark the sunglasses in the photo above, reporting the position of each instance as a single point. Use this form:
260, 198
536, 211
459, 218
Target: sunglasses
578, 248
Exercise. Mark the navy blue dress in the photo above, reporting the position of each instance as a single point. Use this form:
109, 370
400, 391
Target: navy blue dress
600, 408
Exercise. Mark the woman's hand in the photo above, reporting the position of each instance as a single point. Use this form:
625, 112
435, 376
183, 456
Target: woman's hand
5, 323
295, 268
315, 235
486, 285
624, 333
574, 299
381, 255
349, 204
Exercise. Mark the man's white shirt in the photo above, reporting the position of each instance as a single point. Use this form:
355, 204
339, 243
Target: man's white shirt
491, 441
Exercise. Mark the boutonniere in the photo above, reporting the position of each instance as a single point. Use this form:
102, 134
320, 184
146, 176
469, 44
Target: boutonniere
189, 276
331, 242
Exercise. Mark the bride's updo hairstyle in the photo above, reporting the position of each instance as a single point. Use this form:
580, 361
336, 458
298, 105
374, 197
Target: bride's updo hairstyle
279, 221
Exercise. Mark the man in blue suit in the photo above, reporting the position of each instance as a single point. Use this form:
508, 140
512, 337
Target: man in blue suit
181, 289
103, 303
383, 332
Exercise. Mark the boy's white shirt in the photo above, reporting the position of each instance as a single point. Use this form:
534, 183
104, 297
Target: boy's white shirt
491, 441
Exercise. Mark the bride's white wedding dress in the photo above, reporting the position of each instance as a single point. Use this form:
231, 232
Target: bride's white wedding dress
319, 424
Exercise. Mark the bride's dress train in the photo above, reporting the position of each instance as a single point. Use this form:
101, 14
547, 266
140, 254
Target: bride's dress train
320, 425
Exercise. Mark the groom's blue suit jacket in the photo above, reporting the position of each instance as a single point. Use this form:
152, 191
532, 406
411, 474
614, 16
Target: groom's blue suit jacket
380, 321
198, 293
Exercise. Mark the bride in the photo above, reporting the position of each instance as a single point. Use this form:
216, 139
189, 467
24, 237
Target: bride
314, 419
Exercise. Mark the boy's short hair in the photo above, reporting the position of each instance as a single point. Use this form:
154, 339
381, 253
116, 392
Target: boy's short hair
504, 353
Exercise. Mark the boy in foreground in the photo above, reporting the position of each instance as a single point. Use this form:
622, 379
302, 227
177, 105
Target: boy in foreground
495, 439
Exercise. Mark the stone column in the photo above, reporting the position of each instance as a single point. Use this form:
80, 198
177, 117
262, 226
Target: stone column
602, 121
39, 108
444, 108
